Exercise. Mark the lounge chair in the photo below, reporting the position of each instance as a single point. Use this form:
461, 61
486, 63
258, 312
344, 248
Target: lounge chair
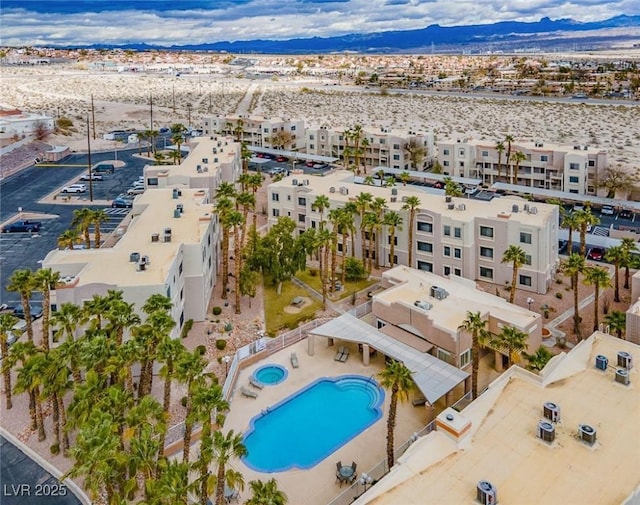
294, 360
338, 356
419, 402
248, 393
345, 356
255, 383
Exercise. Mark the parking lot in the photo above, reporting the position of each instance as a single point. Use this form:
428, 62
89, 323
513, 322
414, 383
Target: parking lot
28, 187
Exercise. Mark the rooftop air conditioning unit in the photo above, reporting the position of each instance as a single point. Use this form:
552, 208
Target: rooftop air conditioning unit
174, 194
176, 213
422, 304
451, 206
145, 260
215, 151
526, 207
294, 182
206, 168
601, 362
587, 434
622, 376
625, 360
405, 198
332, 189
305, 182
515, 208
205, 160
539, 144
180, 207
140, 266
166, 237
533, 210
155, 237
486, 493
394, 191
462, 206
133, 257
447, 199
438, 293
546, 431
551, 411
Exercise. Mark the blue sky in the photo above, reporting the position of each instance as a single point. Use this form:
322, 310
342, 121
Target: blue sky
62, 22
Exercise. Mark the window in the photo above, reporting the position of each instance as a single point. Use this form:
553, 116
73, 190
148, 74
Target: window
168, 291
275, 197
465, 358
312, 146
425, 227
179, 270
275, 212
395, 240
301, 218
181, 319
445, 163
525, 280
457, 272
544, 157
425, 246
293, 128
592, 163
525, 238
457, 252
527, 259
396, 157
447, 230
395, 259
396, 146
486, 231
574, 166
485, 154
486, 273
381, 324
574, 179
313, 225
486, 252
446, 270
152, 181
443, 355
457, 232
383, 141
445, 152
446, 250
181, 293
424, 265
302, 201
312, 137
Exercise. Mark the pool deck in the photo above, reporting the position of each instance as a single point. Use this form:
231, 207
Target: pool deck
318, 486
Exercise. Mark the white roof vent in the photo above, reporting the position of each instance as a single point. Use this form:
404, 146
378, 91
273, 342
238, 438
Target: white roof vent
486, 493
546, 431
422, 304
587, 434
551, 411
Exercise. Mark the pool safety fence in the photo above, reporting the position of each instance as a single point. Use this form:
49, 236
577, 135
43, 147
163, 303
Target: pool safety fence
362, 310
380, 470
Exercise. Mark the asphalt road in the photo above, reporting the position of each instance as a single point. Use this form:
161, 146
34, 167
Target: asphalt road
23, 481
24, 189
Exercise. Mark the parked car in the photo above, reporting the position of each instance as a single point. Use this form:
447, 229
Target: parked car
577, 207
607, 210
276, 171
596, 253
26, 225
135, 190
626, 214
122, 203
94, 177
309, 163
281, 159
103, 169
35, 311
74, 188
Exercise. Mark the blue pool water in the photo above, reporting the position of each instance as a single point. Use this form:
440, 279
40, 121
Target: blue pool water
270, 374
306, 427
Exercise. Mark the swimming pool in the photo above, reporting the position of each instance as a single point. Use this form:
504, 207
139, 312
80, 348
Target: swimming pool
306, 427
270, 375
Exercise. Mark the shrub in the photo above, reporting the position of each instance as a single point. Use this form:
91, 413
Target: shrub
183, 401
186, 328
354, 270
216, 311
201, 349
228, 327
558, 281
291, 325
313, 272
221, 344
55, 449
559, 295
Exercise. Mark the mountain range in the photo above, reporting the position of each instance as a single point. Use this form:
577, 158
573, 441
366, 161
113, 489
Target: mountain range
505, 35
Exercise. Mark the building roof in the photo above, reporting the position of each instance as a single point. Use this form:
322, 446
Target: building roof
502, 448
153, 212
434, 377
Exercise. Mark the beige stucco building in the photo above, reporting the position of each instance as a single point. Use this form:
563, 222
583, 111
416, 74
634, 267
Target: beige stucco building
257, 131
462, 236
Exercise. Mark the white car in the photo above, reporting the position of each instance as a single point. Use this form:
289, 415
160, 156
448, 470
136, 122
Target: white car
93, 177
135, 190
75, 188
607, 210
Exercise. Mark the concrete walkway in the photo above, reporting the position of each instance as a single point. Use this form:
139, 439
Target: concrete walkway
245, 103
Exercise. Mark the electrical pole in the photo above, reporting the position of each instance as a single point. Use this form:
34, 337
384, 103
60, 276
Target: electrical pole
151, 112
173, 95
89, 161
189, 115
93, 117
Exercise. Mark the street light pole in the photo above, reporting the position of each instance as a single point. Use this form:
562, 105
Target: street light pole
226, 359
529, 302
89, 161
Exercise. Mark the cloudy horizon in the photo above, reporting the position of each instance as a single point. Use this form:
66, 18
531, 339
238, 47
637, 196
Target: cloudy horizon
164, 23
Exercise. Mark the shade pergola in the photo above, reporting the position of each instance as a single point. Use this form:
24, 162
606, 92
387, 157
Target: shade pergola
293, 154
434, 377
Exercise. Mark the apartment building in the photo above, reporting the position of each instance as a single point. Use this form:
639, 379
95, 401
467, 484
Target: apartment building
376, 147
425, 311
573, 169
168, 246
17, 122
211, 160
257, 131
462, 237
563, 436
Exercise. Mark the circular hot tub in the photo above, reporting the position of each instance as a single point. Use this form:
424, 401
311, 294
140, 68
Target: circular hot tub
270, 375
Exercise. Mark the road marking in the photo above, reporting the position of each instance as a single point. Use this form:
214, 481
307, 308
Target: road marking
59, 165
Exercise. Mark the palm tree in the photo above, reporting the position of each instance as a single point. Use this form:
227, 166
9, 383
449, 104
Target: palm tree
248, 202
616, 255
539, 359
266, 493
7, 321
20, 352
188, 369
517, 158
393, 221
226, 447
55, 387
510, 341
23, 282
405, 177
517, 257
320, 204
570, 222
508, 139
66, 319
574, 266
451, 188
416, 151
224, 206
411, 204
363, 202
30, 378
68, 239
172, 485
630, 246
236, 221
322, 243
397, 378
597, 277
46, 280
371, 223
583, 219
477, 327
98, 217
82, 219
177, 136
500, 148
617, 321
378, 206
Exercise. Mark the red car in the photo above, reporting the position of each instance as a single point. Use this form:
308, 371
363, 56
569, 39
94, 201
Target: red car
281, 158
596, 253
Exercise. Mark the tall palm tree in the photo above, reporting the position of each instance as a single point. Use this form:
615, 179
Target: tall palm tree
574, 266
189, 368
405, 177
378, 206
499, 147
323, 240
20, 353
55, 387
266, 493
617, 321
363, 203
247, 201
510, 341
393, 221
177, 136
616, 255
371, 223
30, 379
172, 485
98, 217
320, 204
583, 219
477, 327
224, 207
82, 219
46, 280
570, 222
23, 282
226, 447
508, 139
517, 158
351, 208
412, 204
397, 378
630, 246
7, 321
517, 257
236, 221
68, 239
597, 277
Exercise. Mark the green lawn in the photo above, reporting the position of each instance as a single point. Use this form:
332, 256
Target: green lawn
275, 316
350, 287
